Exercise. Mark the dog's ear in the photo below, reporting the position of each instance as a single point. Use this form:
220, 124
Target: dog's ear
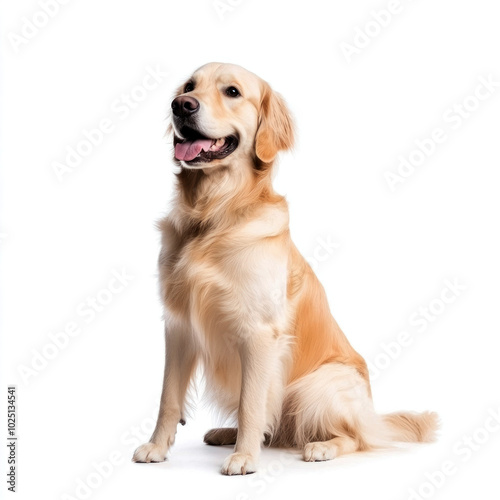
276, 130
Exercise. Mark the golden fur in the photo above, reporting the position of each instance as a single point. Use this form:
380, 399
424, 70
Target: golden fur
240, 299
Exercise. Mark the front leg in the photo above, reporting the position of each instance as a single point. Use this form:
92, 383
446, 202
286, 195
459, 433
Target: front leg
258, 362
180, 361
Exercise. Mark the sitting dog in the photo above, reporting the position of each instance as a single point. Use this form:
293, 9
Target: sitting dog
241, 300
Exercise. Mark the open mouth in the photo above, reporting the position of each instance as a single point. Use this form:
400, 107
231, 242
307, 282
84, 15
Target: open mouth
195, 147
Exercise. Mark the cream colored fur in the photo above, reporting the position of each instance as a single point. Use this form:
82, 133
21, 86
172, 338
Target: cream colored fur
241, 300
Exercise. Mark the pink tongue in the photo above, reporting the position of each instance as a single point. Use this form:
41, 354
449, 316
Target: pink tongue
189, 150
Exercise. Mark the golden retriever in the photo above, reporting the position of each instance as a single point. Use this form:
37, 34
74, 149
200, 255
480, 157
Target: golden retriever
240, 298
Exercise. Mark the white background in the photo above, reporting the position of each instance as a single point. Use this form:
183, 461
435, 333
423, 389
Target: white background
61, 240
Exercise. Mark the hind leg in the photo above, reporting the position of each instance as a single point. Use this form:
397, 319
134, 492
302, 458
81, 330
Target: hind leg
328, 450
221, 436
328, 413
226, 435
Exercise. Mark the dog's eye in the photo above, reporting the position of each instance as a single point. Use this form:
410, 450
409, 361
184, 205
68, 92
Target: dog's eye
189, 87
232, 92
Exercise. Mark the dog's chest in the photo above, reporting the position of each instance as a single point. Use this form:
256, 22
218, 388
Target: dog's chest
197, 273
217, 281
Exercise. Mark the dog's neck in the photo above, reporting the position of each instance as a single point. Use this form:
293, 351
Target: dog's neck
220, 197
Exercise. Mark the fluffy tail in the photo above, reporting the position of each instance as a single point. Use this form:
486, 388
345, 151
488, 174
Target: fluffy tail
412, 427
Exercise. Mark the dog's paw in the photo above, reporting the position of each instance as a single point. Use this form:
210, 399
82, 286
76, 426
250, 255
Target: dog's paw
150, 452
318, 452
222, 436
238, 464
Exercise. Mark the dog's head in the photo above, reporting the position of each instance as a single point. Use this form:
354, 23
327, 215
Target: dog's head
224, 114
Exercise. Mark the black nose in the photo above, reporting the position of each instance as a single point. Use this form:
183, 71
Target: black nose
185, 106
